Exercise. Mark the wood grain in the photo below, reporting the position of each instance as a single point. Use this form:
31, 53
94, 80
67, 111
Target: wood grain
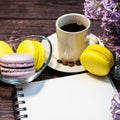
38, 9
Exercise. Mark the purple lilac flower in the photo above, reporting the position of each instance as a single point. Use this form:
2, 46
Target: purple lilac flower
111, 26
109, 4
115, 106
93, 9
111, 22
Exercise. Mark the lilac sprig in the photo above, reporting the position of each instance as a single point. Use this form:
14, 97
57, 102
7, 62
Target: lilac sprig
115, 107
111, 26
109, 5
93, 9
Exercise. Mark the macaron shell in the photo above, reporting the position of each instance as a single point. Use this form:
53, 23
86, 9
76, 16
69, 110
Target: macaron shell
16, 60
95, 64
5, 49
41, 54
26, 46
103, 50
36, 54
96, 54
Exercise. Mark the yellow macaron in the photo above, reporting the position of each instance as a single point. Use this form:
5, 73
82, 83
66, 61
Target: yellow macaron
34, 48
40, 54
5, 48
97, 59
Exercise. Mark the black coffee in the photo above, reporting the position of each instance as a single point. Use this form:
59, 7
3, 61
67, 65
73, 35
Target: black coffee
73, 27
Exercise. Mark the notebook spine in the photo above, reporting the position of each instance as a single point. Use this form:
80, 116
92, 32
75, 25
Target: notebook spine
17, 103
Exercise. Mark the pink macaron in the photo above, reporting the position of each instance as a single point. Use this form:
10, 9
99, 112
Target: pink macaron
17, 65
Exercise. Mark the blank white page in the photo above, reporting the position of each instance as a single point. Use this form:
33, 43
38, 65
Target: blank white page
76, 97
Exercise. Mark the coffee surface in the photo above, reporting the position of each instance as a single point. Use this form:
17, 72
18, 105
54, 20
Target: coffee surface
73, 27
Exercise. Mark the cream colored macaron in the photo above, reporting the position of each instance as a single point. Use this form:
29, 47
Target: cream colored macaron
5, 48
34, 48
97, 59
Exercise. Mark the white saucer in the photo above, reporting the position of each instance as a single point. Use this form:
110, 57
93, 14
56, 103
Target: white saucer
58, 66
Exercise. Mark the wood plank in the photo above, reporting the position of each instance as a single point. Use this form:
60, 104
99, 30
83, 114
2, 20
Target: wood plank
25, 27
6, 104
38, 9
41, 27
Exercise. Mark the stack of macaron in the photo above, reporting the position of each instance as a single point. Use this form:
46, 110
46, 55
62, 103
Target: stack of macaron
17, 65
97, 59
28, 58
36, 49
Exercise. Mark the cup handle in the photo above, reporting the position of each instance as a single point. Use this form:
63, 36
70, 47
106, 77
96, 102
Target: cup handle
92, 39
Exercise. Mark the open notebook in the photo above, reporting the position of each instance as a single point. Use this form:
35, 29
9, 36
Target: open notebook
76, 97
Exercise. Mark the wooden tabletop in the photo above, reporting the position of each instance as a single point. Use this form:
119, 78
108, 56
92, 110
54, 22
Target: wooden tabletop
24, 17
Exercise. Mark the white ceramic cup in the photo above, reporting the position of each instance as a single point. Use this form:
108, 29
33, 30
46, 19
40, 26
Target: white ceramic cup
72, 44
